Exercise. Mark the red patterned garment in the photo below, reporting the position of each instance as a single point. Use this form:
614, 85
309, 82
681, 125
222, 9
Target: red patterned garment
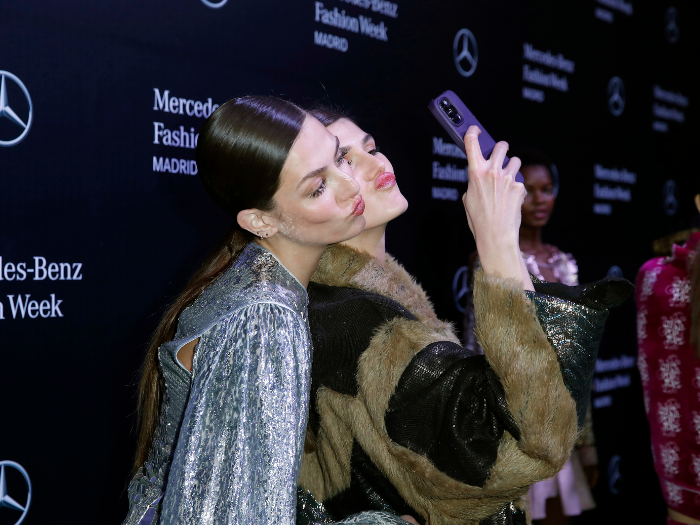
671, 375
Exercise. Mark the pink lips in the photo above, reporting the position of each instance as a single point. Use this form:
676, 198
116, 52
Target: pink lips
359, 207
385, 180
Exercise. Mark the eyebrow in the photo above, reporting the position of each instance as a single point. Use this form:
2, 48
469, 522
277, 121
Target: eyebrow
367, 139
318, 171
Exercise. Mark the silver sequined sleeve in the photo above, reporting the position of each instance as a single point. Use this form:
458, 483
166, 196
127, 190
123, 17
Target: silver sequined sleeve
238, 454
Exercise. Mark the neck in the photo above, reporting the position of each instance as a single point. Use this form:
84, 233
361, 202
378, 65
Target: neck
530, 239
301, 260
371, 241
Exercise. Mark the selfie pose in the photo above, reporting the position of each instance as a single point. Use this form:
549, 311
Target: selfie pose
405, 419
223, 398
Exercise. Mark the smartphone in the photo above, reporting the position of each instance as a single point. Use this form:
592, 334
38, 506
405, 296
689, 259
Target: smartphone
456, 118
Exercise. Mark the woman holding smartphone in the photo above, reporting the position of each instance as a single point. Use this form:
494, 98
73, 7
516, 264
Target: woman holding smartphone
403, 418
223, 397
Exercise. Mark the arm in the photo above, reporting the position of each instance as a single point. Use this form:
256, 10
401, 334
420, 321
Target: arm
450, 406
239, 449
492, 202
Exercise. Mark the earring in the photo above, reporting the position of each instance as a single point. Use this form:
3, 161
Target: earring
260, 235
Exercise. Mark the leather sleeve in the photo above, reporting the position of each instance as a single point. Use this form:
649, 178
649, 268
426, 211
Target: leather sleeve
450, 407
573, 319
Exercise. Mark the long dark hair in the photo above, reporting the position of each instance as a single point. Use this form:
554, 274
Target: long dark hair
241, 150
328, 115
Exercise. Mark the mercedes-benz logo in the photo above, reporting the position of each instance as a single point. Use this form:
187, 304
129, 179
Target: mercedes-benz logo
614, 477
465, 52
615, 271
670, 201
214, 5
460, 288
555, 179
616, 96
5, 499
672, 31
7, 112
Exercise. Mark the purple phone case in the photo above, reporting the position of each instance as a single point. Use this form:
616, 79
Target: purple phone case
457, 132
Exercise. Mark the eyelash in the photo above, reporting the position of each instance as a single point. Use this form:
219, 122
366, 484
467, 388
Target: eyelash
319, 191
373, 151
341, 158
339, 162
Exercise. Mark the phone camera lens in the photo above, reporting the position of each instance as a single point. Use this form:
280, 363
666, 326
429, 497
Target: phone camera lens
451, 112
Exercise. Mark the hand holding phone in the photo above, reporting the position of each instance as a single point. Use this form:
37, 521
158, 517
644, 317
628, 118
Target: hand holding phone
456, 118
494, 197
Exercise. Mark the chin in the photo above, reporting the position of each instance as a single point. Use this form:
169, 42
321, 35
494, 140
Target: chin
395, 204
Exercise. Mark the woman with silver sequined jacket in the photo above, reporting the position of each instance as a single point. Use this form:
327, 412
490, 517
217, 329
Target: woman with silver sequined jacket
224, 390
405, 419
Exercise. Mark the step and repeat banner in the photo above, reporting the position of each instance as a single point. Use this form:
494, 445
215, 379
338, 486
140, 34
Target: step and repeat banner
102, 218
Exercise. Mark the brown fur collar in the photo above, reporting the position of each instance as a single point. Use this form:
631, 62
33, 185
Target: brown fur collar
342, 265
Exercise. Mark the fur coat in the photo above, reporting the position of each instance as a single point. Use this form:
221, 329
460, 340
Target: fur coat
531, 383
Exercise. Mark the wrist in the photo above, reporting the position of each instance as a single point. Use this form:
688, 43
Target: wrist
503, 260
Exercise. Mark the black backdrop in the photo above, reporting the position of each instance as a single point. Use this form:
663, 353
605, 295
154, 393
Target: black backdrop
94, 183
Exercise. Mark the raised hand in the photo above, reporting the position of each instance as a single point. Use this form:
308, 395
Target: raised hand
492, 203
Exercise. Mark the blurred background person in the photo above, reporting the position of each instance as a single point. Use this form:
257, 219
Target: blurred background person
668, 332
568, 493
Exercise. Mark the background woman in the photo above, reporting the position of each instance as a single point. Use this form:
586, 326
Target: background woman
568, 493
404, 418
668, 332
224, 392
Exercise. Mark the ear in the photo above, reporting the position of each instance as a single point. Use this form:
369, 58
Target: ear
258, 223
697, 201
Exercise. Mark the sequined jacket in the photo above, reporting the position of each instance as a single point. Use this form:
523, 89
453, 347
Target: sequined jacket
405, 419
229, 444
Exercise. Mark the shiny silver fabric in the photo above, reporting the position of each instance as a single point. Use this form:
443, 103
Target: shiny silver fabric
312, 512
229, 444
575, 332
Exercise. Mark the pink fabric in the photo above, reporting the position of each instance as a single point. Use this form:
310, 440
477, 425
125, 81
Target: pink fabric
671, 375
569, 484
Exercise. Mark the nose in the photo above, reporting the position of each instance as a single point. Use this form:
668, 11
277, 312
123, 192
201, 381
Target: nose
348, 187
375, 167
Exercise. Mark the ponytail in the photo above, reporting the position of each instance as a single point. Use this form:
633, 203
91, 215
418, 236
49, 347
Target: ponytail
151, 386
241, 150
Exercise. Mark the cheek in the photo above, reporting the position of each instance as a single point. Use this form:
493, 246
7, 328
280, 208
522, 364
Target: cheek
321, 211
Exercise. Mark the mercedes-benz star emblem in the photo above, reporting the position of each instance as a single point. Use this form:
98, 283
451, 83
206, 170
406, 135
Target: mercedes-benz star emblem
670, 201
616, 96
5, 499
7, 112
672, 31
614, 477
214, 5
615, 271
460, 288
465, 52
